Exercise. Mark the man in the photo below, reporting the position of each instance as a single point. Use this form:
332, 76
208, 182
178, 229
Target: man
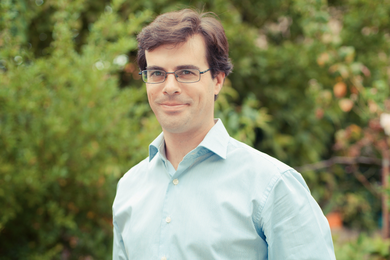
202, 194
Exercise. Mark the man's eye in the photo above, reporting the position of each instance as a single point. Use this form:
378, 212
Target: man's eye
186, 72
157, 73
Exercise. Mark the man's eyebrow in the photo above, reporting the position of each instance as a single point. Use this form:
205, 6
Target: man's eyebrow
154, 68
180, 67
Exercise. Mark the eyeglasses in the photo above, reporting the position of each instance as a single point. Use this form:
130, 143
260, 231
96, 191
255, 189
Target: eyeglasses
182, 75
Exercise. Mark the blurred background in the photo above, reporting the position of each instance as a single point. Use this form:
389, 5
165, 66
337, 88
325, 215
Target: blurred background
310, 87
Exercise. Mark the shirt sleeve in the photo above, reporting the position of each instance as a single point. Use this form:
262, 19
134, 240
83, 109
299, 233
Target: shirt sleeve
293, 223
118, 252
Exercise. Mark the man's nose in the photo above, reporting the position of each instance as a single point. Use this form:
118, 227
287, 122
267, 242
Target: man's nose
171, 85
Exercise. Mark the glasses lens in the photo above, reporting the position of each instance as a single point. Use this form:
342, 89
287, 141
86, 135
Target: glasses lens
187, 75
153, 76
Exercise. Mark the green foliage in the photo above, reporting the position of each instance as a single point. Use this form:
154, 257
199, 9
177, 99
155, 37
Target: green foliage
364, 247
310, 81
240, 120
66, 131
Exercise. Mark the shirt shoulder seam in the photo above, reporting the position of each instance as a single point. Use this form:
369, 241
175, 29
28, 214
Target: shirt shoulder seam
264, 156
269, 189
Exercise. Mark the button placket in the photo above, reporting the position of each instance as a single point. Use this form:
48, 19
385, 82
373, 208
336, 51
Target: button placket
168, 208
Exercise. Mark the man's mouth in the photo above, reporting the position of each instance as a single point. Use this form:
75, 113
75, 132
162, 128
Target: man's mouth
173, 106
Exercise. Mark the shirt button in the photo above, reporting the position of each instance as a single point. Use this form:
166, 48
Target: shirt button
163, 258
175, 181
168, 219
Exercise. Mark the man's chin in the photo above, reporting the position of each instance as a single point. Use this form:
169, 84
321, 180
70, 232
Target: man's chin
174, 126
174, 130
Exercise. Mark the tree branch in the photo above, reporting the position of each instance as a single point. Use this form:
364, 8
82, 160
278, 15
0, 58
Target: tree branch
338, 160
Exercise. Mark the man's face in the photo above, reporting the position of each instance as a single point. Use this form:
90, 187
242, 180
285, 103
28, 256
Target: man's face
183, 108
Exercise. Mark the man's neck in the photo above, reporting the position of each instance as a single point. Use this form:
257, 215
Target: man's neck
178, 145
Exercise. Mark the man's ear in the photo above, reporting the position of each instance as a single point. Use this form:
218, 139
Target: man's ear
219, 79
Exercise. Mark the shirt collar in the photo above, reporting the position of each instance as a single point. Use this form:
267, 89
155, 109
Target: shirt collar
216, 141
155, 145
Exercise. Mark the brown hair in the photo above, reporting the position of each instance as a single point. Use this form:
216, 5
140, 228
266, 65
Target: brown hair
177, 27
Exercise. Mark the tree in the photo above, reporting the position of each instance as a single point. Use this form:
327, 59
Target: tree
310, 82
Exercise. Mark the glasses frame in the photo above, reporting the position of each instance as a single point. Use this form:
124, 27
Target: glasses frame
176, 77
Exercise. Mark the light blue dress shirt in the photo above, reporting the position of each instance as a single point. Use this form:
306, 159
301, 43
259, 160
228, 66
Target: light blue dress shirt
225, 201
